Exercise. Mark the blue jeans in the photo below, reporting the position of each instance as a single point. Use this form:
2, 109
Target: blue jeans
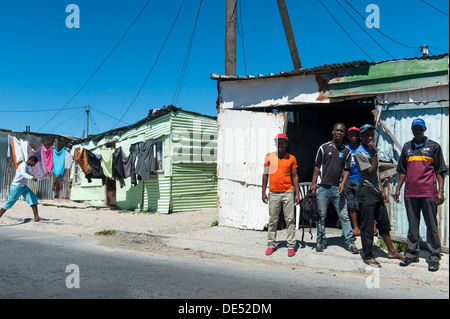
325, 195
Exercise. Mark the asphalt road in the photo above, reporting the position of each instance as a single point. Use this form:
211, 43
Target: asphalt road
45, 265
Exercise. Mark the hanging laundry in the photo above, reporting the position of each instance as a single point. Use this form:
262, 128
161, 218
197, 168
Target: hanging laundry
97, 153
96, 168
8, 153
145, 160
106, 161
126, 165
117, 167
48, 157
68, 159
58, 162
16, 151
40, 169
81, 159
134, 152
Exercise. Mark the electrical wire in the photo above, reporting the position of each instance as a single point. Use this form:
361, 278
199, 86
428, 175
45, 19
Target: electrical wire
92, 120
434, 7
153, 66
34, 111
105, 114
101, 64
377, 29
186, 59
242, 36
345, 31
364, 29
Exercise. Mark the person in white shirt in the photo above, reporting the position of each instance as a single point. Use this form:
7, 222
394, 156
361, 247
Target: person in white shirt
19, 188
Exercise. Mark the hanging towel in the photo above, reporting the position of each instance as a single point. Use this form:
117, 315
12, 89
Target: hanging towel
58, 162
24, 149
106, 161
14, 146
8, 153
68, 160
48, 157
81, 159
40, 169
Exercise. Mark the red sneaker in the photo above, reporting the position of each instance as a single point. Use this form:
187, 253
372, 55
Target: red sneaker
270, 251
291, 252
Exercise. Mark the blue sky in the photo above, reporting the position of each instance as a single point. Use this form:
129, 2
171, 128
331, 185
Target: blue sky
43, 63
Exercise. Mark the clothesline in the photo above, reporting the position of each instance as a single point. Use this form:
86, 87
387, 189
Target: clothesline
101, 163
49, 160
115, 164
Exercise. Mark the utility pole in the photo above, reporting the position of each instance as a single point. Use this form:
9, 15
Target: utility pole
230, 38
88, 108
424, 50
289, 34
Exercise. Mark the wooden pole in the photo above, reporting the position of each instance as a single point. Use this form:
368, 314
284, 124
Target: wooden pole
230, 38
289, 34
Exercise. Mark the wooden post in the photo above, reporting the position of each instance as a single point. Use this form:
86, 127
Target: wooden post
289, 34
230, 38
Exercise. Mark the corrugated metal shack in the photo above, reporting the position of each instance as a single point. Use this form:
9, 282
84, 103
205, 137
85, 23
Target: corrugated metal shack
185, 172
48, 188
305, 104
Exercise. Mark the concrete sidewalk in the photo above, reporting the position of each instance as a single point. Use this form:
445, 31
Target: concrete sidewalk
193, 231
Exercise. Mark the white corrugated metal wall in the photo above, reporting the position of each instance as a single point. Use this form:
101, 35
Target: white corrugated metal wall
245, 137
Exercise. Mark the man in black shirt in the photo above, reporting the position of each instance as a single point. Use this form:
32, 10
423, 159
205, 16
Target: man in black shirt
332, 167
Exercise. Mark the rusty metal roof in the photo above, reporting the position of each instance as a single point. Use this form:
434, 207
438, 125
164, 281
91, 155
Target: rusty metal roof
326, 68
315, 70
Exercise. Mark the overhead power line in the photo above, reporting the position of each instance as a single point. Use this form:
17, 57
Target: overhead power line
434, 8
153, 66
377, 29
98, 68
186, 59
364, 29
356, 43
35, 111
241, 33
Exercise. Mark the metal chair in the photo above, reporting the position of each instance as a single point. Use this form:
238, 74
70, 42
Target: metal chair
303, 189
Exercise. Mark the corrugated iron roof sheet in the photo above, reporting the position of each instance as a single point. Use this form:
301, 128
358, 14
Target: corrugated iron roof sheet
314, 70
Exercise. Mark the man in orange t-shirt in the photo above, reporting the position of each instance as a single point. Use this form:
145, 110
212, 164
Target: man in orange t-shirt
280, 170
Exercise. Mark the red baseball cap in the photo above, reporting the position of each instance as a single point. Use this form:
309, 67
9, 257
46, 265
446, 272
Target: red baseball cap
353, 128
281, 135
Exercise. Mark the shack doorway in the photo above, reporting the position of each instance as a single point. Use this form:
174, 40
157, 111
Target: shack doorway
309, 126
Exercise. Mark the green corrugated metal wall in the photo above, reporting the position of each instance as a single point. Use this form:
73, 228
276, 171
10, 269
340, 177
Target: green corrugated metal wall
156, 194
194, 161
189, 178
194, 186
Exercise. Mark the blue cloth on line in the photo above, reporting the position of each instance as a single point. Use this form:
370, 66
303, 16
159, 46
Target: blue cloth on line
58, 162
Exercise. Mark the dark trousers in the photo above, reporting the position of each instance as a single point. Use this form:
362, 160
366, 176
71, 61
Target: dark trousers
429, 210
371, 207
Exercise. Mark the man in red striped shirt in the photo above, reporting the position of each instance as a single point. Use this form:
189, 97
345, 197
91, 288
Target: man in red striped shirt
421, 164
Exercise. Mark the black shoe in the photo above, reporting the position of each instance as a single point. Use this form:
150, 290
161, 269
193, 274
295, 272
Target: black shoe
433, 266
320, 247
408, 260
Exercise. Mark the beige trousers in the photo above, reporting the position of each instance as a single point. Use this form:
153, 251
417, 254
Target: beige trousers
276, 201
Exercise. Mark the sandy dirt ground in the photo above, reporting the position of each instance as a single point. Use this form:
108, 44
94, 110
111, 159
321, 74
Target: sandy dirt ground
134, 230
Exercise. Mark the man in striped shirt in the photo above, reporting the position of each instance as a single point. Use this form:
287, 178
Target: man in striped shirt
421, 165
332, 167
